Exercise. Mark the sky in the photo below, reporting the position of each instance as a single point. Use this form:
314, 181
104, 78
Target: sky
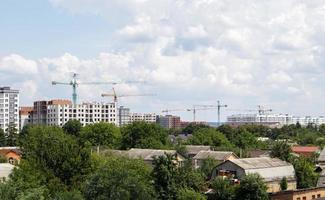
189, 52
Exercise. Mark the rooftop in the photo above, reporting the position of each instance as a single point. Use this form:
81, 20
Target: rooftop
304, 149
195, 149
217, 155
257, 163
148, 154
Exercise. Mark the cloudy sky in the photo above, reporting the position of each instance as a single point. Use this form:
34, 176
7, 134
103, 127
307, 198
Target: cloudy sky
244, 53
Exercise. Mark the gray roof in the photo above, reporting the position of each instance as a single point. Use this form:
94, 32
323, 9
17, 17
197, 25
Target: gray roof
195, 149
148, 154
217, 155
262, 162
321, 179
321, 157
270, 169
115, 152
5, 170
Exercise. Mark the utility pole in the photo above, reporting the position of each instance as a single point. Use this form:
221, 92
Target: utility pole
219, 107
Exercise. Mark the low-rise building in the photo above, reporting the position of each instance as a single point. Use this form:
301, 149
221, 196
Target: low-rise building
300, 194
218, 156
306, 151
272, 170
193, 150
12, 154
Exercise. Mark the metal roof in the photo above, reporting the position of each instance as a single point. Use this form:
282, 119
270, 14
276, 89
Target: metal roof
217, 155
148, 154
5, 170
262, 162
195, 149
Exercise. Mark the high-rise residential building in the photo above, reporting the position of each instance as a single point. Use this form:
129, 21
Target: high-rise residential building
39, 114
9, 107
169, 121
25, 116
146, 117
123, 117
86, 113
272, 120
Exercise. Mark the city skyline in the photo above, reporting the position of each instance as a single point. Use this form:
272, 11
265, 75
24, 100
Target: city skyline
190, 52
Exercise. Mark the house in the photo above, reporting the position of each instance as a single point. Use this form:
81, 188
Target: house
321, 158
300, 194
258, 153
306, 151
219, 156
272, 170
148, 155
5, 171
193, 150
12, 154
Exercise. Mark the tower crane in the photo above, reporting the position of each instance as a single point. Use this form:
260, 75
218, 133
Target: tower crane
115, 96
174, 110
74, 83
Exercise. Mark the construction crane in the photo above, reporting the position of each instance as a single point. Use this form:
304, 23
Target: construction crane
74, 83
167, 111
115, 96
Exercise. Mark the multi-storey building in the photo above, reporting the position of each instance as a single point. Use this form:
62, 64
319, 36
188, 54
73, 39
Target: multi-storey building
169, 121
25, 116
273, 120
146, 117
304, 121
123, 117
9, 107
86, 113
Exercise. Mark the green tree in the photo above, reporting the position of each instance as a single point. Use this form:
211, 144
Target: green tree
245, 139
101, 134
2, 138
207, 166
284, 184
281, 150
51, 151
222, 190
252, 187
120, 178
192, 127
164, 174
209, 136
144, 135
72, 127
321, 129
11, 135
189, 194
305, 173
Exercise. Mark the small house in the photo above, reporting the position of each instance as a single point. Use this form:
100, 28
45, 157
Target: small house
218, 156
272, 170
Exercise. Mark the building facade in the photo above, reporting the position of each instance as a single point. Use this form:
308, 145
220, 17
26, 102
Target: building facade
274, 120
124, 117
146, 117
169, 121
9, 107
25, 116
86, 113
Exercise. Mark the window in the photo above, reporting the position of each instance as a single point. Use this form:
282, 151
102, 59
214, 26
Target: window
318, 195
298, 198
313, 197
304, 198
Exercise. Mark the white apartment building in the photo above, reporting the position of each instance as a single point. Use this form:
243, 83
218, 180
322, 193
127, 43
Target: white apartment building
304, 121
262, 119
124, 117
146, 117
86, 113
9, 107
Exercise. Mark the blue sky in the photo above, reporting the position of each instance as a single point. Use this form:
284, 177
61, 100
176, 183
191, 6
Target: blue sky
190, 51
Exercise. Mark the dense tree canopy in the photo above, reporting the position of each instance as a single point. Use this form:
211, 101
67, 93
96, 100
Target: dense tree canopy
120, 178
144, 135
209, 136
72, 127
281, 150
252, 187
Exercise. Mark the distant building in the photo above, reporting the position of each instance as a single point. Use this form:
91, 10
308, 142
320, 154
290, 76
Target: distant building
271, 120
272, 170
85, 113
146, 117
193, 150
12, 154
9, 107
25, 116
306, 151
300, 194
218, 156
5, 170
123, 116
169, 121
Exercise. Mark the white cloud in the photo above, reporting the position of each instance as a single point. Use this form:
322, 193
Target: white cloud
17, 64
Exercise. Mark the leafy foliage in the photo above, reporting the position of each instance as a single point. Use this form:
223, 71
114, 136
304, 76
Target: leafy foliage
208, 136
189, 194
306, 176
281, 150
284, 184
120, 178
252, 187
223, 190
72, 127
144, 135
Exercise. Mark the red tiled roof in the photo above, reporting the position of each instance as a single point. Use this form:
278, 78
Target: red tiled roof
305, 149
